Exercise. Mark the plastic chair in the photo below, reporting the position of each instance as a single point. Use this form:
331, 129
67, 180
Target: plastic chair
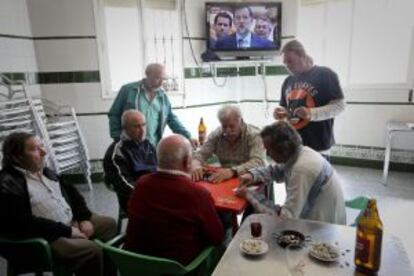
130, 263
29, 256
359, 203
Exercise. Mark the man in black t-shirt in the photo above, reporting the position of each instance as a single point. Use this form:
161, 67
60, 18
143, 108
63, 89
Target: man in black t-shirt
311, 97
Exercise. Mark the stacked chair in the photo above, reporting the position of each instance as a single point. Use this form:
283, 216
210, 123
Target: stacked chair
56, 125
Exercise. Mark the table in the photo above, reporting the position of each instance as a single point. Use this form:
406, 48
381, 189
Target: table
394, 258
393, 128
224, 196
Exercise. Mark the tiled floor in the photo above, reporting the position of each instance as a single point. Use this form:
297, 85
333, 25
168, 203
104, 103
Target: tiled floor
395, 201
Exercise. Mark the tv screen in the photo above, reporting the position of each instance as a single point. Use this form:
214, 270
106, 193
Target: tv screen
243, 26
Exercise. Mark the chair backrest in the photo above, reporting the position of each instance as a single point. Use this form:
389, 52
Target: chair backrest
359, 203
14, 251
130, 263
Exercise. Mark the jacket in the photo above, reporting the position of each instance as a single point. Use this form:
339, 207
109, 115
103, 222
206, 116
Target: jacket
128, 98
125, 161
16, 213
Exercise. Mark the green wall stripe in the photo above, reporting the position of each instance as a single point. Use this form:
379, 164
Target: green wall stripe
195, 72
48, 37
31, 78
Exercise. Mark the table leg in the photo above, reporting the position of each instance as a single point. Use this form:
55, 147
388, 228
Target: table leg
387, 157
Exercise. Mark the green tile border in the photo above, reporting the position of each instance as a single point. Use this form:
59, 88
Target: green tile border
31, 78
196, 72
373, 164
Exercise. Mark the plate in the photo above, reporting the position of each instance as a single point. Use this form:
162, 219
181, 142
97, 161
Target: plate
294, 120
290, 237
324, 252
254, 247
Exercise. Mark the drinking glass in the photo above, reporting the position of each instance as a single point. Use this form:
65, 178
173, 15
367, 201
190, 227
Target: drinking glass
296, 259
255, 228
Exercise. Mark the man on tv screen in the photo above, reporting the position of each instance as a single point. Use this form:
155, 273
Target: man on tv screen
221, 28
263, 27
243, 38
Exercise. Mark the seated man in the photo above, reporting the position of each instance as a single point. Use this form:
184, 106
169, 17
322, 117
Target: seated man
313, 189
130, 157
237, 145
35, 203
170, 216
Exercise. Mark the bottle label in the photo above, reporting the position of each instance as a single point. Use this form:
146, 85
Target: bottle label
362, 249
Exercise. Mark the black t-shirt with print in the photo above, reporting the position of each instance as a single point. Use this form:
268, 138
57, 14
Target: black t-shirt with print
314, 88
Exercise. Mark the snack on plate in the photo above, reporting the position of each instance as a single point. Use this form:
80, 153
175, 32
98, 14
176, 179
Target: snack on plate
252, 246
324, 251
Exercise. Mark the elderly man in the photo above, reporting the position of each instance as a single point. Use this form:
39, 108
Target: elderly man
35, 203
311, 98
148, 97
243, 38
170, 216
313, 189
236, 144
263, 27
129, 158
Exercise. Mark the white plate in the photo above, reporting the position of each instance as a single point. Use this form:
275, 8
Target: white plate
324, 252
254, 247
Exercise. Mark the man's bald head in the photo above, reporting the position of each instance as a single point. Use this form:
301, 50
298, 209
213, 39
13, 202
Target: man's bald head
174, 153
134, 124
155, 75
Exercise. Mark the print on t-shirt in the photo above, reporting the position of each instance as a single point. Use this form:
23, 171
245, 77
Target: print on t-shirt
300, 94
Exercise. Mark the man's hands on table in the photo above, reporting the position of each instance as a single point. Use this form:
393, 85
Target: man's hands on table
216, 176
245, 181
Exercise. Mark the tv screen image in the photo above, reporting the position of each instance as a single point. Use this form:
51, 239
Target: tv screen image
243, 27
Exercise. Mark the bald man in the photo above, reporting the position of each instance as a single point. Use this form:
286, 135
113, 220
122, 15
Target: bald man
169, 215
148, 97
129, 158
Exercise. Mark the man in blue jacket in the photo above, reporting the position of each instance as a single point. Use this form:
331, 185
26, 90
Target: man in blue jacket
149, 98
243, 38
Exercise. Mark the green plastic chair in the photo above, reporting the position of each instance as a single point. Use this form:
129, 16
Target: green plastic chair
359, 203
129, 263
29, 256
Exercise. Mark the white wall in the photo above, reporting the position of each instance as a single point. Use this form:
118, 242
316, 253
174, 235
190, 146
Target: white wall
17, 53
330, 31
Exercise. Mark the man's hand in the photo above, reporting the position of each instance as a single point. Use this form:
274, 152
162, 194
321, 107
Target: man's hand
197, 174
194, 143
245, 180
221, 175
280, 113
302, 112
77, 234
86, 228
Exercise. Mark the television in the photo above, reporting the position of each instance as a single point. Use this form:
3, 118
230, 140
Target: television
243, 29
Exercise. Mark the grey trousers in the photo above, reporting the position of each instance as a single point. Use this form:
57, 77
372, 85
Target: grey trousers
81, 256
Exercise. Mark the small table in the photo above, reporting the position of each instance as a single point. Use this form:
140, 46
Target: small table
394, 259
393, 128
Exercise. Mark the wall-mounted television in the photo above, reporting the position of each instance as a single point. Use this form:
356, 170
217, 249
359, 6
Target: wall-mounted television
243, 29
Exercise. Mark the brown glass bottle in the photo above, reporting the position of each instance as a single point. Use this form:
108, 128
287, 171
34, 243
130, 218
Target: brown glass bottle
369, 240
202, 131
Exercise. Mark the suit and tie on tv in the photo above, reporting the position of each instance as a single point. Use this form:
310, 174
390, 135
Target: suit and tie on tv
232, 42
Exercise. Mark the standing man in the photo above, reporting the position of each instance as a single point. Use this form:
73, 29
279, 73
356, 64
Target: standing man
221, 28
243, 38
35, 203
311, 97
148, 97
129, 158
169, 215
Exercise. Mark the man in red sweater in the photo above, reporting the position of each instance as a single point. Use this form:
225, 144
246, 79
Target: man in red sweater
169, 215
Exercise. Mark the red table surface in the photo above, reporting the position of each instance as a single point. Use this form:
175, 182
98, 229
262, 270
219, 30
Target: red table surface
224, 196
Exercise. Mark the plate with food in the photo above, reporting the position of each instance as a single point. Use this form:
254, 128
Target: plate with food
254, 247
324, 251
290, 237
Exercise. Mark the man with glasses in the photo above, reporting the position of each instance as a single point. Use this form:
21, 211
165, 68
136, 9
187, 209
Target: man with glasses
149, 98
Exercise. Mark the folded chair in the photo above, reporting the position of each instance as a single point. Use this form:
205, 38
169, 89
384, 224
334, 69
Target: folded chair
129, 263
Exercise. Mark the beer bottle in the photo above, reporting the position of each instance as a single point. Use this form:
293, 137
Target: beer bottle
202, 132
369, 240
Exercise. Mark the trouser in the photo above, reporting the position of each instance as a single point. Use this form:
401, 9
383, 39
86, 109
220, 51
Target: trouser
82, 256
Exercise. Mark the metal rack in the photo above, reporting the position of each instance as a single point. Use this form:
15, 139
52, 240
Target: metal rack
56, 125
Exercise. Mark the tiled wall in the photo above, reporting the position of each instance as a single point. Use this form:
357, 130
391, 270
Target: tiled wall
59, 51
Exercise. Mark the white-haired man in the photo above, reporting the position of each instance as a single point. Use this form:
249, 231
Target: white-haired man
129, 158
